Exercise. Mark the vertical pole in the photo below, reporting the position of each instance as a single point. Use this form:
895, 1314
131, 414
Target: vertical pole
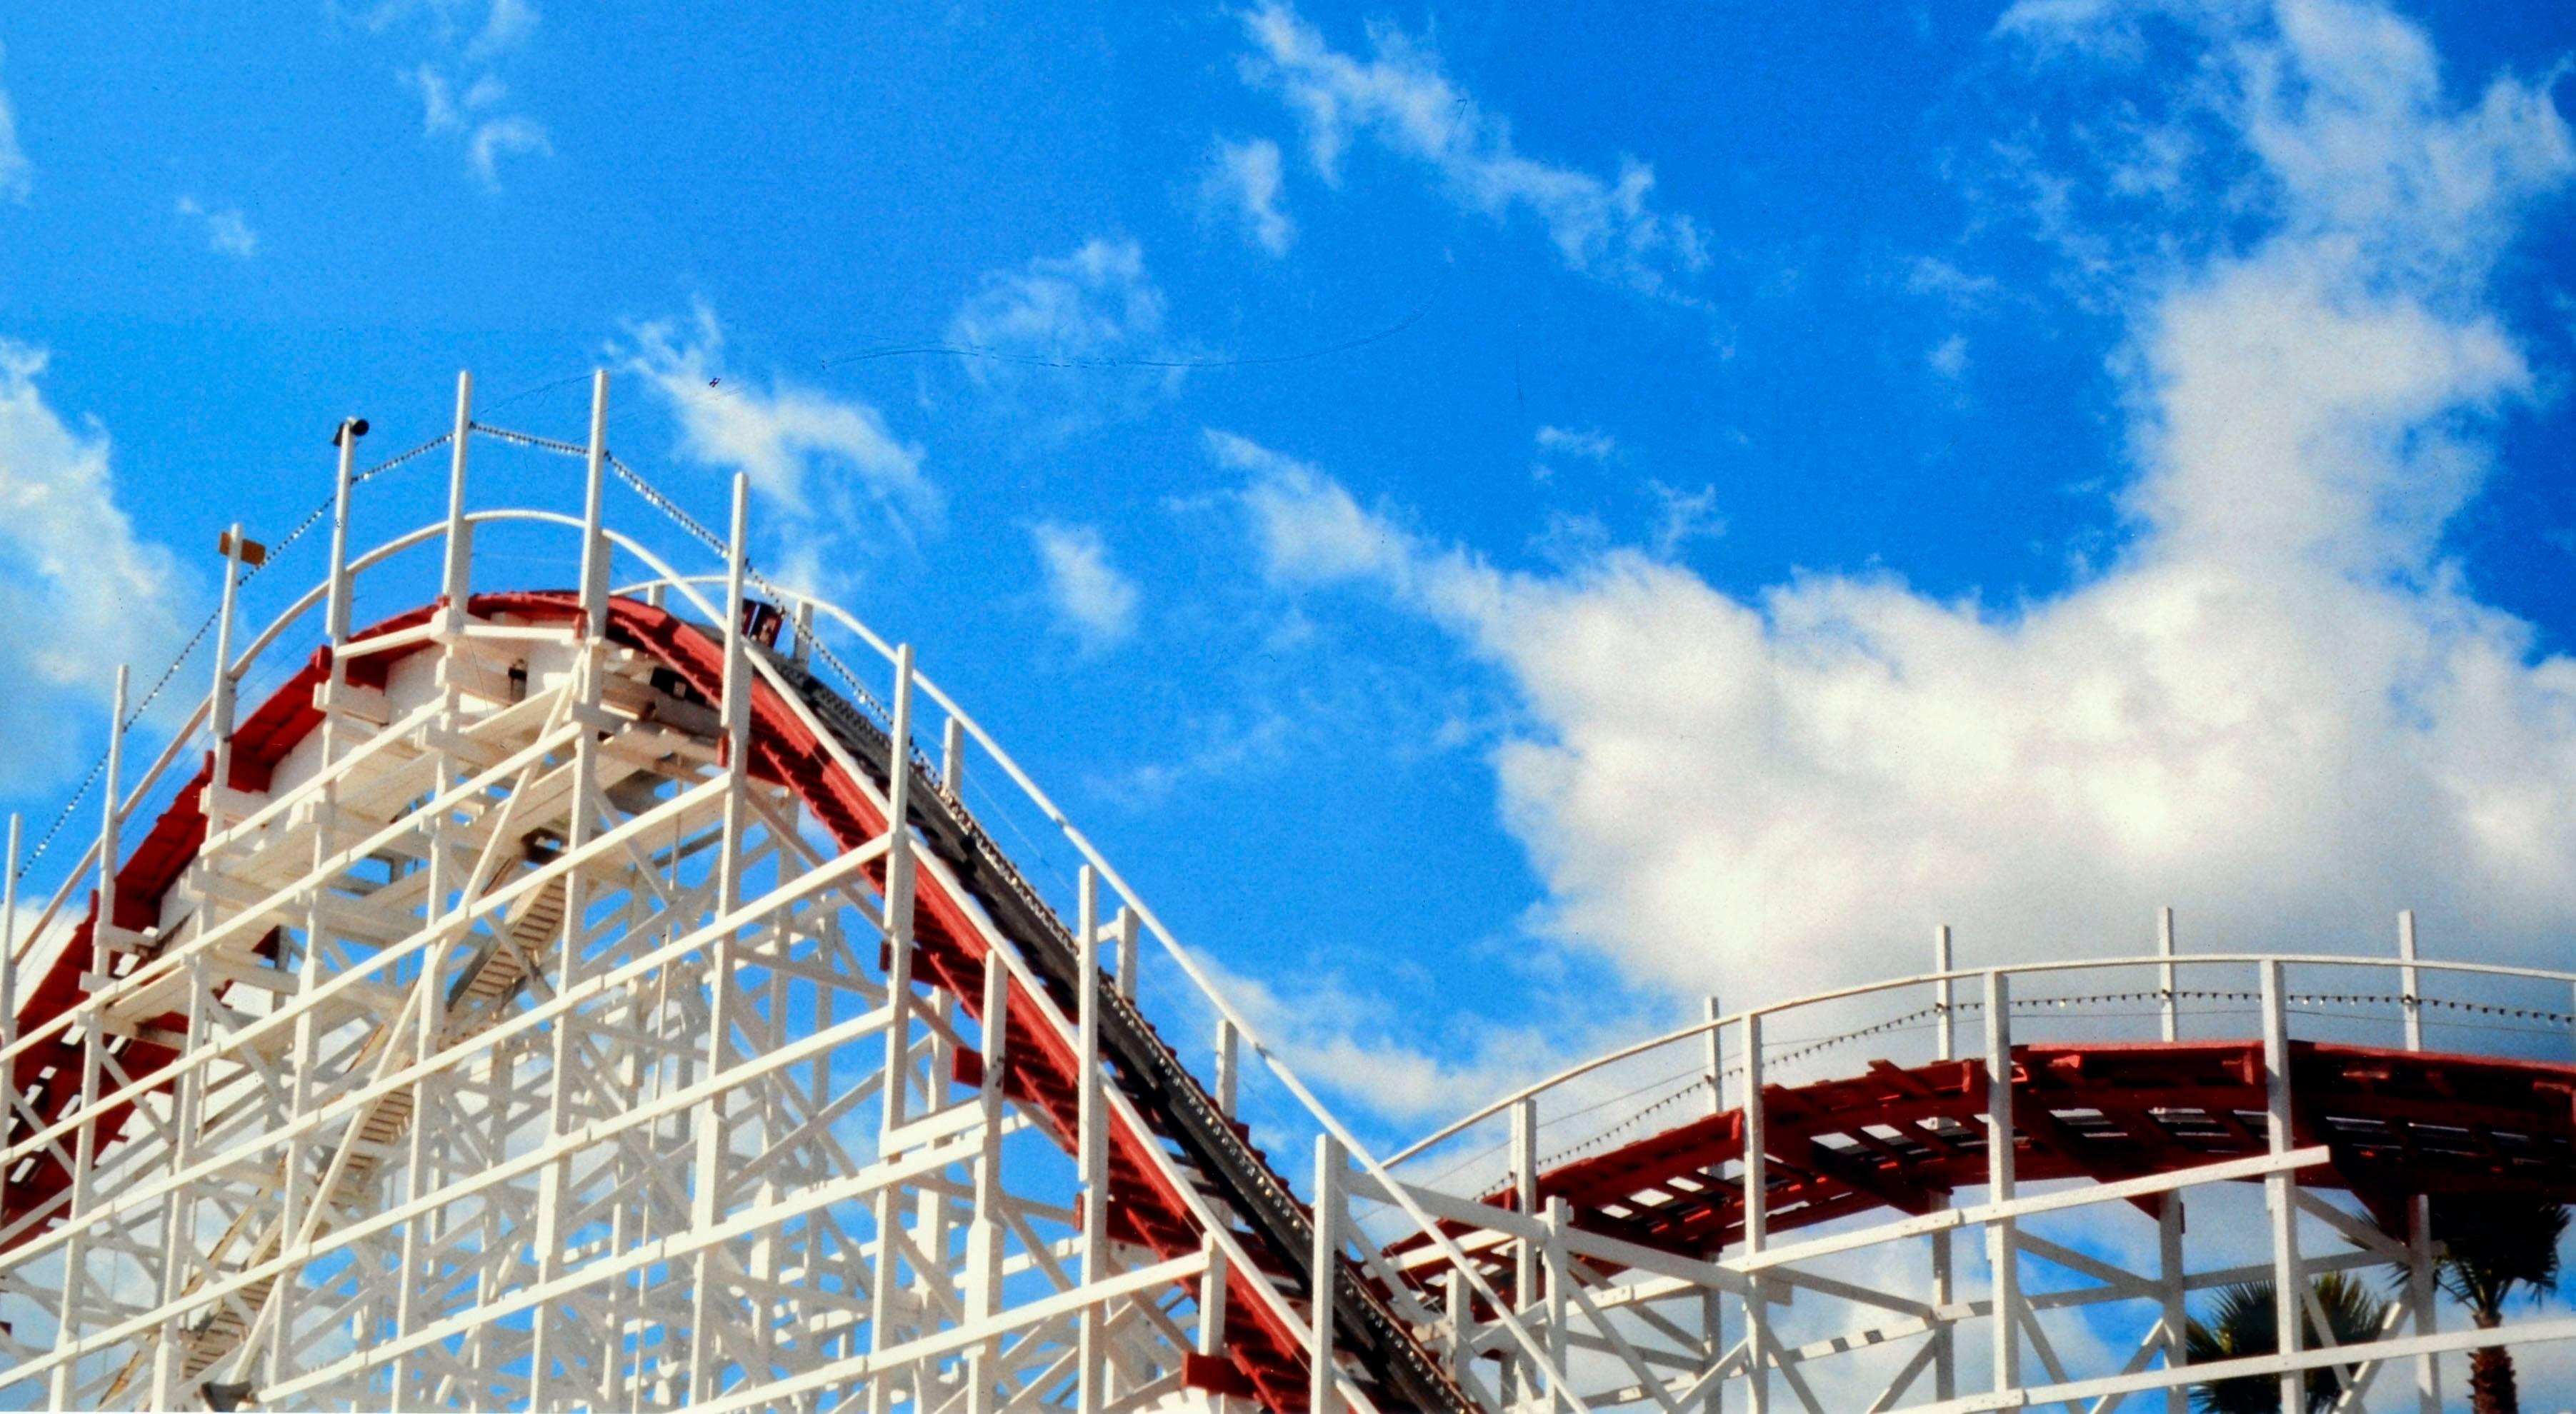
2289, 1283
1124, 925
458, 584
1092, 1138
219, 703
2169, 1287
2167, 1005
9, 977
1945, 1040
2001, 1234
984, 1238
335, 613
93, 1049
1558, 1217
898, 894
1712, 1303
594, 535
736, 706
1321, 1397
952, 758
1229, 1043
1519, 1380
1757, 1220
707, 1192
2409, 980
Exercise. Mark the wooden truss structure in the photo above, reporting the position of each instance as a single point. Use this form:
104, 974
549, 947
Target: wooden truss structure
592, 998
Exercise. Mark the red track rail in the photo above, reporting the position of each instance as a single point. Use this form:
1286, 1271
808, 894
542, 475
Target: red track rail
1042, 1072
2395, 1124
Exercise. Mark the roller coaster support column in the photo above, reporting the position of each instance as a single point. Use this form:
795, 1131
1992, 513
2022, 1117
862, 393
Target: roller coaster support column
1321, 1397
1945, 1334
899, 1001
1712, 1303
1757, 1212
2000, 1234
457, 585
1091, 1137
2165, 974
1519, 1380
2419, 1208
93, 1053
2289, 1283
984, 1239
2169, 1219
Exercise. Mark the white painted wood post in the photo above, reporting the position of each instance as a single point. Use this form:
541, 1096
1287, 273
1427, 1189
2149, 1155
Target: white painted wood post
2289, 1282
2001, 1235
984, 1242
898, 894
1124, 925
93, 1048
2169, 1292
2167, 1006
1321, 1396
594, 535
1520, 1381
1558, 1217
952, 759
2420, 1295
219, 701
458, 583
1229, 1042
1757, 1220
1092, 1164
9, 975
1945, 1040
736, 706
1712, 1302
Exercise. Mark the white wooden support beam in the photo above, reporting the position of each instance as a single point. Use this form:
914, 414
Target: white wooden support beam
456, 584
2174, 1320
1124, 925
1322, 1397
952, 758
219, 700
1520, 1381
1757, 1219
1945, 1044
2167, 1006
68, 1311
1558, 1217
1229, 1043
2001, 1249
595, 549
1092, 1164
2408, 980
2289, 1282
1712, 1302
898, 894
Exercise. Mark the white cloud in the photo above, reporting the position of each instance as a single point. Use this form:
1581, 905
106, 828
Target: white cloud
1089, 593
1591, 443
1948, 358
1243, 181
1070, 340
227, 233
823, 460
17, 174
1399, 98
79, 593
1682, 517
498, 137
508, 22
2282, 712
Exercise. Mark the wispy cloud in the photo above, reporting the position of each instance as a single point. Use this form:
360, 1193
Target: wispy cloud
826, 462
82, 592
1400, 99
226, 231
1090, 595
475, 118
496, 138
1591, 443
17, 174
1243, 184
1066, 340
2282, 712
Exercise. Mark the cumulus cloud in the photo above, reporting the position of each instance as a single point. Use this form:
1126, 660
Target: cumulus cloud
1091, 597
1242, 182
17, 174
826, 462
227, 232
82, 593
1399, 98
2282, 712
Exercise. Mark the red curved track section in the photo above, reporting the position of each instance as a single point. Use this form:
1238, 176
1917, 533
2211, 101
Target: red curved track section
1042, 1072
2395, 1124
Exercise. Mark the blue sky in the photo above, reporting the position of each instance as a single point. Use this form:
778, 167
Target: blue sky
1763, 484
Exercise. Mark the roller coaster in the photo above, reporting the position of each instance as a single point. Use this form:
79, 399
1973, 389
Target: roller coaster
608, 997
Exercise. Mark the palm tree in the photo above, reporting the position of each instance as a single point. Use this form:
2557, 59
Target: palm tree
2242, 1324
2485, 1248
